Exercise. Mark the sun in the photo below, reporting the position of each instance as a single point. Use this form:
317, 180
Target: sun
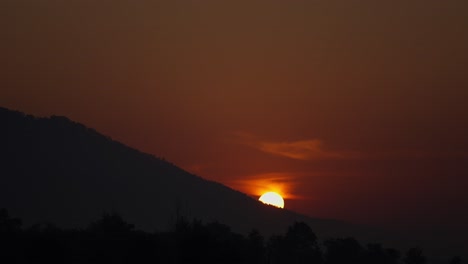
272, 198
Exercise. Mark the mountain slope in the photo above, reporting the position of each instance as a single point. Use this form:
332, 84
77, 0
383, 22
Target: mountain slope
55, 170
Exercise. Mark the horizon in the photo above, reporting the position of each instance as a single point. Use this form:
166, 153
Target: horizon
350, 110
254, 196
41, 138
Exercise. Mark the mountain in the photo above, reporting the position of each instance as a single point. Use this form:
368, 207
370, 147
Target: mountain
59, 171
56, 170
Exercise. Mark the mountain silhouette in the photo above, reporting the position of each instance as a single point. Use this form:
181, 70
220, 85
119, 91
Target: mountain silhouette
56, 170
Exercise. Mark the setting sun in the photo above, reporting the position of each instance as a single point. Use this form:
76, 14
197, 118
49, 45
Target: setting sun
272, 198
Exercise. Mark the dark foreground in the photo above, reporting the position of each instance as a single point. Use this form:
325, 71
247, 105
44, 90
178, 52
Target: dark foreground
112, 240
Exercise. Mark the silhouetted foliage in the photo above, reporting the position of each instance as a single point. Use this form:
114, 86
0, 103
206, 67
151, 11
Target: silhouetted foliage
255, 247
10, 238
47, 244
343, 250
8, 224
111, 223
455, 260
299, 245
61, 158
414, 256
377, 254
110, 239
210, 243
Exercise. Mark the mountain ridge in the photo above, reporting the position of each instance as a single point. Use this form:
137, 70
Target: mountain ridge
115, 177
55, 170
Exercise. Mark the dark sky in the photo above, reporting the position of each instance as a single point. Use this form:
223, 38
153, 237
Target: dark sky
354, 110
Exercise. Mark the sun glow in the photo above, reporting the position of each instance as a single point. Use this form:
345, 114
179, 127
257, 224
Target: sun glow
272, 198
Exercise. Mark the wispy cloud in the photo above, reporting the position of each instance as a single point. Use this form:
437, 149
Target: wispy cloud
301, 150
309, 149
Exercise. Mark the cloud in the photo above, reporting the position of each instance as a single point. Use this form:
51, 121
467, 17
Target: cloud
316, 149
301, 150
310, 149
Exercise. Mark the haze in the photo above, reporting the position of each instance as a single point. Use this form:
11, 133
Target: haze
354, 110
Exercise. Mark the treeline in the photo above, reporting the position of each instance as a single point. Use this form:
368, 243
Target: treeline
112, 240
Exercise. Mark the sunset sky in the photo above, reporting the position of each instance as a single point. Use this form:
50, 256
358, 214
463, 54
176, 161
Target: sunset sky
353, 110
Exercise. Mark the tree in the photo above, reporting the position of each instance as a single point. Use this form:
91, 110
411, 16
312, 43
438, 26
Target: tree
393, 255
414, 256
343, 250
109, 239
7, 223
10, 238
111, 223
299, 245
375, 253
455, 260
255, 247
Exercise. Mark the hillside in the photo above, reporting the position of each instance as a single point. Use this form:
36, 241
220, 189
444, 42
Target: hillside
56, 170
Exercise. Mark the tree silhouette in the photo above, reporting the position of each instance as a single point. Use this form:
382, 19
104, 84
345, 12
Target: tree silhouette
9, 224
275, 253
10, 238
108, 240
47, 244
255, 251
343, 250
375, 253
299, 245
414, 256
210, 243
111, 239
393, 256
455, 260
111, 223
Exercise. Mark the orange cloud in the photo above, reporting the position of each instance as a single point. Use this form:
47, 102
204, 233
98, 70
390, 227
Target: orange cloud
301, 150
310, 149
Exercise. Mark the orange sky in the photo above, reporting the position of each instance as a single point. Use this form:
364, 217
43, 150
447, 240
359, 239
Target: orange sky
353, 110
